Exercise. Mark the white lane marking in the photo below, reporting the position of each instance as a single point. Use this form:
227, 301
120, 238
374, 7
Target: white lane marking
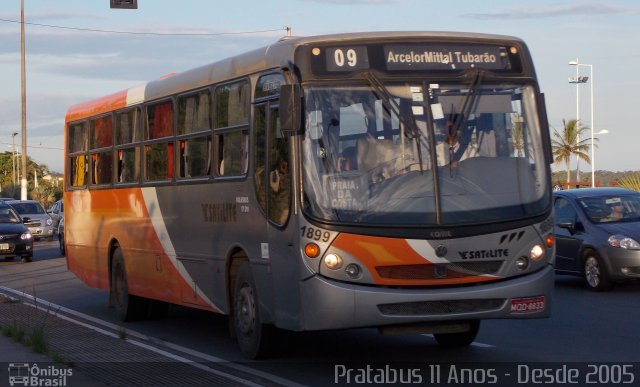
52, 309
482, 345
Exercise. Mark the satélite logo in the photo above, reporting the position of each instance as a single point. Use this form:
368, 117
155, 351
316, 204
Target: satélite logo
23, 374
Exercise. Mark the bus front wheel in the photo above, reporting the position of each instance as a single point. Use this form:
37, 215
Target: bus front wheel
254, 337
459, 339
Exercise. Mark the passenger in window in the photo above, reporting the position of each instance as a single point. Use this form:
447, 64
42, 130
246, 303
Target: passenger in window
617, 211
279, 182
348, 160
278, 176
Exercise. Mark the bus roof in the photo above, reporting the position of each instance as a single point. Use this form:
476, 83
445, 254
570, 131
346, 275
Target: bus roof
260, 59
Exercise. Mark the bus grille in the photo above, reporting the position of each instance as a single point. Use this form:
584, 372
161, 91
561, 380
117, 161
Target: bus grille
441, 307
431, 271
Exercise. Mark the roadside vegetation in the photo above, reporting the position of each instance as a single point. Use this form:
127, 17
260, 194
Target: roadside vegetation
21, 331
42, 184
574, 142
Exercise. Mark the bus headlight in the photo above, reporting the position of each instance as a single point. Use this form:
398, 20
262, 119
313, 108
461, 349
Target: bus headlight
333, 261
537, 252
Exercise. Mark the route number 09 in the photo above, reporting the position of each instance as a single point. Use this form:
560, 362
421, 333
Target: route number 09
351, 58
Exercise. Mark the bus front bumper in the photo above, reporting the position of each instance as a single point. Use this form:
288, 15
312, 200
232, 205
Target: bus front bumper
329, 304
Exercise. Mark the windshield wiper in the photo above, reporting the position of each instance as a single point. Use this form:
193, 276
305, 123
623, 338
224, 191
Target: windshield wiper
392, 106
463, 115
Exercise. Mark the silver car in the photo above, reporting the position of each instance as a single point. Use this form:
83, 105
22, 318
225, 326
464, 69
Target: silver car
36, 219
56, 212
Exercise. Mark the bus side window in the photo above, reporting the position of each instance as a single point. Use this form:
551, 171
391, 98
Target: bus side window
232, 153
232, 128
78, 135
128, 165
195, 156
159, 156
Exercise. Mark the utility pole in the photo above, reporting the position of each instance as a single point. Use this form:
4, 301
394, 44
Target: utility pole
23, 191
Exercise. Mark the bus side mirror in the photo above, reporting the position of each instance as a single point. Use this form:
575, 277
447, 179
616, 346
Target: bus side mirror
290, 108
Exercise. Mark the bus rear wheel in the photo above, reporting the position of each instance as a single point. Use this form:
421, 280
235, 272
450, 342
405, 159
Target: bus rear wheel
128, 307
254, 337
459, 339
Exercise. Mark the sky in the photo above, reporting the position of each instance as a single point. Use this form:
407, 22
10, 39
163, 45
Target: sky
67, 64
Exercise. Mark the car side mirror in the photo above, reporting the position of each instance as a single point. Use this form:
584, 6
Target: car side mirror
570, 226
26, 219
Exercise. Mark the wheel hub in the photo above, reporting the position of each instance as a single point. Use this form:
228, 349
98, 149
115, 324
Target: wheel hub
246, 310
592, 271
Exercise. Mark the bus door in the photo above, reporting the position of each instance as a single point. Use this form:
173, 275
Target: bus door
273, 171
274, 192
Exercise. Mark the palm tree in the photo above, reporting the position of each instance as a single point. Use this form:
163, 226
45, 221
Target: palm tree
567, 144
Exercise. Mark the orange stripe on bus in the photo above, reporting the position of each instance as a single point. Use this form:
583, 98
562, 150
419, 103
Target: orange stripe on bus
97, 106
104, 216
396, 253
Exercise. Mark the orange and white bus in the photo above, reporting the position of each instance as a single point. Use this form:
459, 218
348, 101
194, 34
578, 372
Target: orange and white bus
394, 180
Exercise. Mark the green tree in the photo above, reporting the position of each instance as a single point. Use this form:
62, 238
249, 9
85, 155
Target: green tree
571, 141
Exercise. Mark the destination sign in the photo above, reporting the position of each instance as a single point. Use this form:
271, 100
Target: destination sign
348, 58
417, 57
407, 57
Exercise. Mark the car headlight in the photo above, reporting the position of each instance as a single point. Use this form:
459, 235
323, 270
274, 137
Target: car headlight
623, 242
49, 222
26, 236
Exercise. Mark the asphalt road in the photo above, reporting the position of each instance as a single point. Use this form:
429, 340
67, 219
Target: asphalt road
585, 328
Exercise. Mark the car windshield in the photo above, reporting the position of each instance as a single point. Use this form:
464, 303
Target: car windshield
422, 154
28, 208
612, 208
7, 215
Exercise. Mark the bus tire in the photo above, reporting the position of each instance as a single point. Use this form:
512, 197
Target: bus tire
254, 337
459, 339
128, 307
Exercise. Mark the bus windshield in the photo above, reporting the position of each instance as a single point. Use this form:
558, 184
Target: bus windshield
423, 153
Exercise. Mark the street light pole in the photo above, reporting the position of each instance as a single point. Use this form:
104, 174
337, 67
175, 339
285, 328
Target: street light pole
577, 121
593, 151
578, 80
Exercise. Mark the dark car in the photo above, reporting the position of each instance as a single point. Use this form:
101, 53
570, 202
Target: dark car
61, 236
597, 233
15, 238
